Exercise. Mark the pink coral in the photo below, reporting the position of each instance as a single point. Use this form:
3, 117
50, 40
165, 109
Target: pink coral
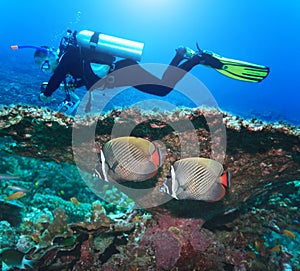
86, 257
171, 237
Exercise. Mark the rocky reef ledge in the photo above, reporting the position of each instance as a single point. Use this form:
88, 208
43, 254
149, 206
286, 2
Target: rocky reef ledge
262, 158
259, 155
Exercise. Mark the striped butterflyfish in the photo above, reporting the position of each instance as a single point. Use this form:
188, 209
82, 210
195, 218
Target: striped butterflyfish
196, 179
129, 159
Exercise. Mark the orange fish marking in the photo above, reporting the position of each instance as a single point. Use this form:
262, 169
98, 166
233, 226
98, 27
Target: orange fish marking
156, 158
225, 179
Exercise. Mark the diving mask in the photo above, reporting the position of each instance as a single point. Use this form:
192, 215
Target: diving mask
48, 65
45, 66
47, 59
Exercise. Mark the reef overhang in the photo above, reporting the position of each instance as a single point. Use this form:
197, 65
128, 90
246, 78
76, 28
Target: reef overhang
260, 156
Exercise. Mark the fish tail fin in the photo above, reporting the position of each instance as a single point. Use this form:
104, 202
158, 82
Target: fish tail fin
225, 179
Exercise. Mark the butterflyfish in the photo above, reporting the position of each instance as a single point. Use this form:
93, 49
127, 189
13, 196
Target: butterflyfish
129, 159
196, 179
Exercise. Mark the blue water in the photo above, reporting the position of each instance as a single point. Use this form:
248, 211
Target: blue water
263, 32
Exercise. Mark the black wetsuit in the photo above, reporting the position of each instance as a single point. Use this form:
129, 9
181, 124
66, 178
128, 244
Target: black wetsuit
74, 62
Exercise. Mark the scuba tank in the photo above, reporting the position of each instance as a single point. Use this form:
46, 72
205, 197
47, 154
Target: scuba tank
102, 43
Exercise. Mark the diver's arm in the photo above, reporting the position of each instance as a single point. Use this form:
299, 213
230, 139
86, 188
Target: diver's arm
79, 82
57, 78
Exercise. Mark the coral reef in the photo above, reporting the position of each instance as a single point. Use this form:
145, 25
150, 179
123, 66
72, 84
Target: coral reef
182, 244
7, 233
50, 242
255, 226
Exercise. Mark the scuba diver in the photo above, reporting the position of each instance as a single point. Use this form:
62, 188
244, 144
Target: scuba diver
85, 57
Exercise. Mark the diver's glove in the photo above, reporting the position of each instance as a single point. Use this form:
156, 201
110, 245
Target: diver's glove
43, 86
43, 97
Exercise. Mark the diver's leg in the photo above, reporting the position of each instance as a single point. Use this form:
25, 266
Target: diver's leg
132, 76
191, 63
179, 56
172, 75
161, 87
138, 78
152, 84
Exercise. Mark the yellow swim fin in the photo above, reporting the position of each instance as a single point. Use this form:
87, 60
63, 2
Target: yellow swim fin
241, 70
236, 69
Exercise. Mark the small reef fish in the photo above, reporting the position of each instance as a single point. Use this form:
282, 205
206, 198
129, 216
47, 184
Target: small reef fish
157, 126
14, 196
12, 258
18, 188
8, 177
129, 159
197, 179
35, 237
75, 201
277, 248
260, 247
289, 234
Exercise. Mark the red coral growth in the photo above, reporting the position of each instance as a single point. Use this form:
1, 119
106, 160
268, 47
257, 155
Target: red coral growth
191, 260
187, 254
86, 256
166, 248
176, 241
182, 244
